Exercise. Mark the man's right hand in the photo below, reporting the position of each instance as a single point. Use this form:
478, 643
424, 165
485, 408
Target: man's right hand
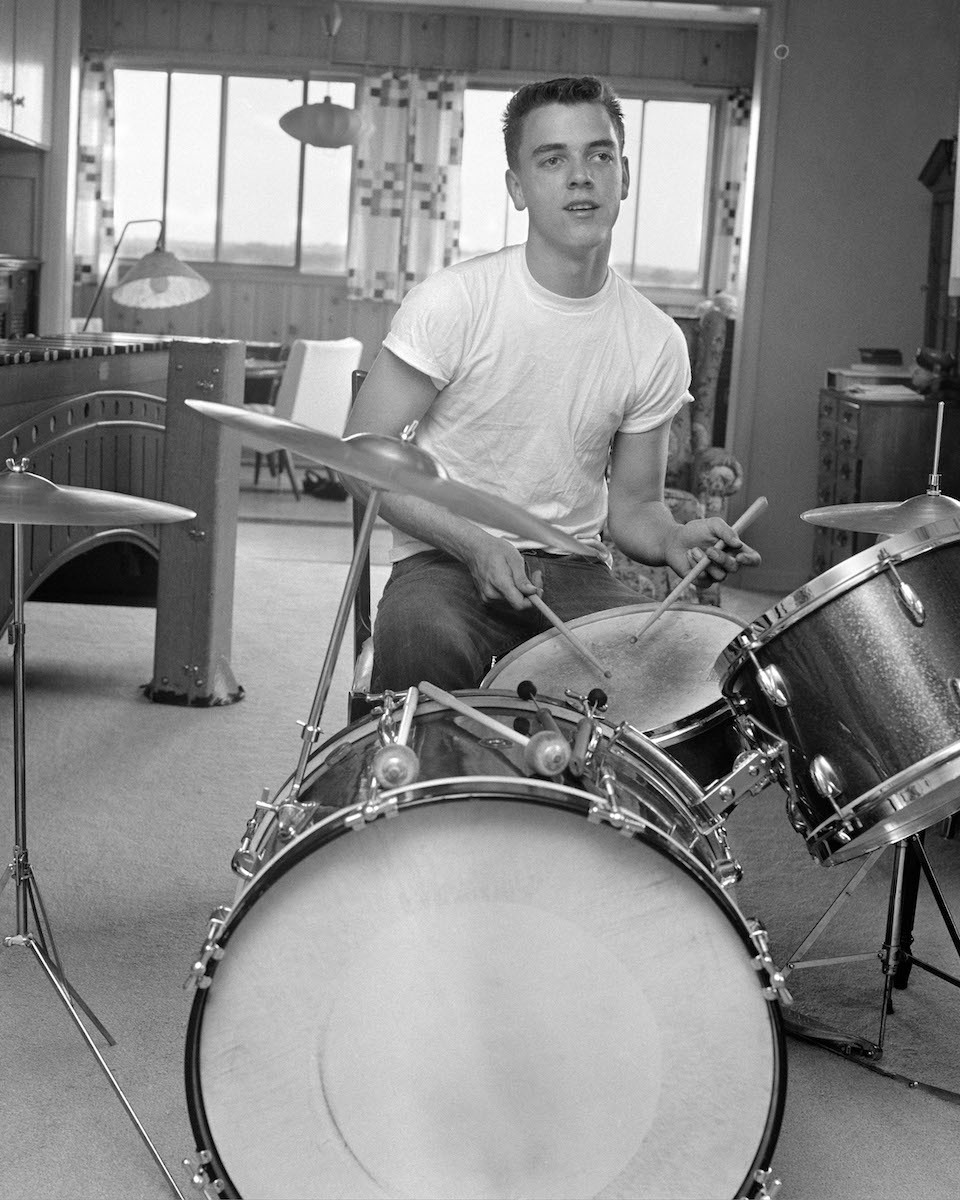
499, 572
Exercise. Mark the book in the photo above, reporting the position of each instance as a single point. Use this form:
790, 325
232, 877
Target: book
841, 379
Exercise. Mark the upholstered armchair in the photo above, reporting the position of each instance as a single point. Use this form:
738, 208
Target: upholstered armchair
700, 476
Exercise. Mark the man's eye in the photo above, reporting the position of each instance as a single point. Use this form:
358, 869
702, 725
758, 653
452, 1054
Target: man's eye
551, 161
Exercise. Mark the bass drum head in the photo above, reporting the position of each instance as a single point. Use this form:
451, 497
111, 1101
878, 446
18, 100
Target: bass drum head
485, 998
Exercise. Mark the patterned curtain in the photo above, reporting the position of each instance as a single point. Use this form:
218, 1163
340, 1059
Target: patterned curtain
728, 228
405, 222
95, 232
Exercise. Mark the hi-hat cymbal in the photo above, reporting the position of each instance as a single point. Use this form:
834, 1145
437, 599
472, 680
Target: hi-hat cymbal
884, 516
392, 465
28, 499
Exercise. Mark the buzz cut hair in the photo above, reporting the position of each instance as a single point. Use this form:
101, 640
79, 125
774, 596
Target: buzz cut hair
569, 89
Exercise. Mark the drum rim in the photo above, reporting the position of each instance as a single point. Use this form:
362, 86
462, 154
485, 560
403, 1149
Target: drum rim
513, 655
834, 582
302, 847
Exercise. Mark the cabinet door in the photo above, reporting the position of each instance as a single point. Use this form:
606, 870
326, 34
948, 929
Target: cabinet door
7, 19
33, 69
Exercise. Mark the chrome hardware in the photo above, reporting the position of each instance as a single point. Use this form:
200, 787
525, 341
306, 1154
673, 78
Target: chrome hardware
777, 984
826, 778
752, 772
905, 593
606, 808
772, 683
364, 814
395, 765
245, 863
769, 1187
211, 950
291, 818
202, 1179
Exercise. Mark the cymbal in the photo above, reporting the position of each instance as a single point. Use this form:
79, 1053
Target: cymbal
28, 499
885, 516
392, 465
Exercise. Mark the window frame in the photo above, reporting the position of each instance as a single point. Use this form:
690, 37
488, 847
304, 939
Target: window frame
218, 267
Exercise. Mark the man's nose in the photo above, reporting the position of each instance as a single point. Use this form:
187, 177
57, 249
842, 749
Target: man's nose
580, 174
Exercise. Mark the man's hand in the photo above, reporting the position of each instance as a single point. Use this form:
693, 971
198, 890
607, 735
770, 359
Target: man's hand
499, 572
692, 541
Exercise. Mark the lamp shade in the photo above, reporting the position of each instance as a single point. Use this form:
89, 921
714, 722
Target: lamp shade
159, 280
325, 124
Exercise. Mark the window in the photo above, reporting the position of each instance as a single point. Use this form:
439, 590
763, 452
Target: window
660, 239
206, 152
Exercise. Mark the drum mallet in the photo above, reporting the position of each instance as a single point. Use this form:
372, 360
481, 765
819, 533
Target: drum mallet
545, 753
755, 509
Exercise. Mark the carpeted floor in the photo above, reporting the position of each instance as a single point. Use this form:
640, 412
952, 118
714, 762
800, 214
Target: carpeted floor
134, 810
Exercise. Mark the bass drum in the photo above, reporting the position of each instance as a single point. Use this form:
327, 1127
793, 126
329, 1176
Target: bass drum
487, 996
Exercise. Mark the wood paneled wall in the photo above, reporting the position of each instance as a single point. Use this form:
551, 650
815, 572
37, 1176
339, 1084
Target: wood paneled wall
279, 35
285, 32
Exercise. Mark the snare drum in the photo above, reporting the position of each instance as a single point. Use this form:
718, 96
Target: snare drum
859, 673
664, 684
488, 996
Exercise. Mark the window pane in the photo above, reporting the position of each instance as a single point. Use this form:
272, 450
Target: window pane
624, 232
192, 173
488, 219
326, 191
141, 109
262, 173
671, 194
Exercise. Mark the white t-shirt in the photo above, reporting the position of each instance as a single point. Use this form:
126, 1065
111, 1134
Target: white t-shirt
534, 386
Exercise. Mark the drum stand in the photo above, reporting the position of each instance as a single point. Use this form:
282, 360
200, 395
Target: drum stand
910, 858
27, 892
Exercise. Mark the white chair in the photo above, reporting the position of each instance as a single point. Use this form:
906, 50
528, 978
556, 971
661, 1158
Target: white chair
314, 390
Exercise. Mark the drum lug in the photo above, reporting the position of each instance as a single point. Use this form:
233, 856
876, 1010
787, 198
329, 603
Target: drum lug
773, 685
777, 984
769, 1187
201, 1177
607, 810
363, 814
244, 862
905, 593
211, 950
826, 779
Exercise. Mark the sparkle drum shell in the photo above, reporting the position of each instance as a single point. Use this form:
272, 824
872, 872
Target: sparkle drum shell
864, 688
664, 684
486, 996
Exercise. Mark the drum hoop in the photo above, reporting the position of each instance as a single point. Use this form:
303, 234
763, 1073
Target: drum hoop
550, 795
827, 587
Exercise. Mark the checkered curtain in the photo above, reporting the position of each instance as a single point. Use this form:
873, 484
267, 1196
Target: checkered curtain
95, 233
406, 215
728, 228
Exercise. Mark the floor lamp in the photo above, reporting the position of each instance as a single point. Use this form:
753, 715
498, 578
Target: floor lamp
158, 280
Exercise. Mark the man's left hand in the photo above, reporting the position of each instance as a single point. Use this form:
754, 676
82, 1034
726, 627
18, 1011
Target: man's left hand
701, 537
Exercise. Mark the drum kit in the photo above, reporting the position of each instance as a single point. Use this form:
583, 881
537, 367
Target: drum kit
508, 985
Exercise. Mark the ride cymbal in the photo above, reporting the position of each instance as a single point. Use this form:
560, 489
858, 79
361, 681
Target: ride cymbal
885, 516
28, 499
392, 465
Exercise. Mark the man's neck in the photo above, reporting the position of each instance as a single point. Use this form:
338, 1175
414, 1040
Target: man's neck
574, 276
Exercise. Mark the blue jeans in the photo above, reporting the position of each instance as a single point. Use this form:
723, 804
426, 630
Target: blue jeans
431, 623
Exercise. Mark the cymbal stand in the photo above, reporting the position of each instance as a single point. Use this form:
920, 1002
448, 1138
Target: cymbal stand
26, 890
896, 956
311, 728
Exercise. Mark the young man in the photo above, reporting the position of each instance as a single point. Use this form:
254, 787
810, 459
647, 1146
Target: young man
539, 375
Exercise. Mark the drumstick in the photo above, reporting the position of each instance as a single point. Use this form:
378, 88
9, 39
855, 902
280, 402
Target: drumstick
755, 509
460, 706
570, 636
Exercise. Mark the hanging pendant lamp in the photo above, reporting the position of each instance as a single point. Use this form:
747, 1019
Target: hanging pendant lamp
326, 124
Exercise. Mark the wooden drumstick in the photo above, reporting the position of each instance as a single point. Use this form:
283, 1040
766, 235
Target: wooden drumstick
571, 637
755, 509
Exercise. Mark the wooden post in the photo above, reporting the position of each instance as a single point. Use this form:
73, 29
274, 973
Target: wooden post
201, 471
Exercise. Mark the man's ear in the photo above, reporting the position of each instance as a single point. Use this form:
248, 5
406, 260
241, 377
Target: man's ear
515, 190
624, 190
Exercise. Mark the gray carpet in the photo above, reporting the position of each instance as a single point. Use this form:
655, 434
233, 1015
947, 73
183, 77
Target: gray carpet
134, 810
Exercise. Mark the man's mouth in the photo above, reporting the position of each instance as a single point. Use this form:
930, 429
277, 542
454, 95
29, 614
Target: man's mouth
581, 206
